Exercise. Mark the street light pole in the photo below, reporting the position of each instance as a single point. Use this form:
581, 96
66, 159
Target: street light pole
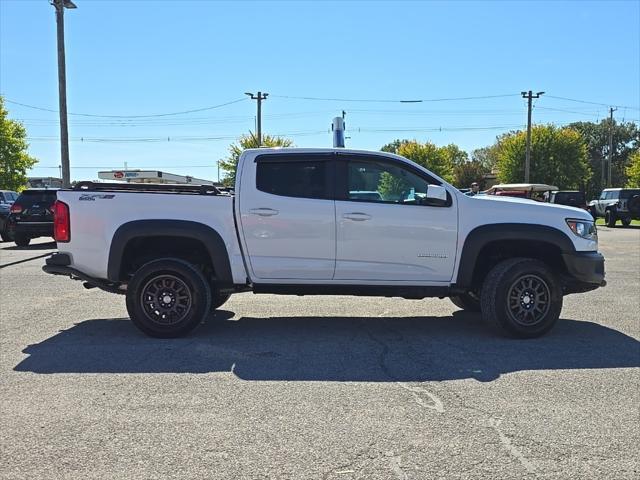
60, 5
527, 162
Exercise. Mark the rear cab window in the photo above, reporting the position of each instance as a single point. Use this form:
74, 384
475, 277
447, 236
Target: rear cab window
569, 198
300, 176
41, 197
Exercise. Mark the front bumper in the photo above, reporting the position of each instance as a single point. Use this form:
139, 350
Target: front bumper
585, 271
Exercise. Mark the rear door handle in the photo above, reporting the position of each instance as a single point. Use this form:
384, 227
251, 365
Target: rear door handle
263, 212
357, 216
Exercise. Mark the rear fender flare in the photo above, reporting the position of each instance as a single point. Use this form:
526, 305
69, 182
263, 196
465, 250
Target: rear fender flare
210, 238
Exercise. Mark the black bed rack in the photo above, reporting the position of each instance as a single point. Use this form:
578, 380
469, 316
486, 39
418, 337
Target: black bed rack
146, 187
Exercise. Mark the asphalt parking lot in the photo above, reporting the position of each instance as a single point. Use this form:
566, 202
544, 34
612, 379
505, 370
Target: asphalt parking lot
317, 387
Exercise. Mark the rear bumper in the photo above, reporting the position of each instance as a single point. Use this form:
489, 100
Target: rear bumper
33, 229
58, 264
585, 271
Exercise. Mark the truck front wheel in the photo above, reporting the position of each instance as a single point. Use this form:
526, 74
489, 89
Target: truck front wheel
168, 298
521, 297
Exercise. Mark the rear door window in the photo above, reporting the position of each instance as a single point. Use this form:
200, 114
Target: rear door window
302, 179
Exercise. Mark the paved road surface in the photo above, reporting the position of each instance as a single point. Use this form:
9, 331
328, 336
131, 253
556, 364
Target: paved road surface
316, 387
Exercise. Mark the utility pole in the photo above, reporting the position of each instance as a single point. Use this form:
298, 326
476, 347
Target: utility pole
60, 5
259, 97
527, 162
611, 125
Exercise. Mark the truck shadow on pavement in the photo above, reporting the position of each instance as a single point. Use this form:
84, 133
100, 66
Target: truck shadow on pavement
332, 349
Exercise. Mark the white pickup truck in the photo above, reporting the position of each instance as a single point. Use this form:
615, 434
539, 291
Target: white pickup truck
324, 222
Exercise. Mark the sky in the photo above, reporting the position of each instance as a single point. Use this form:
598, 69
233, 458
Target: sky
129, 60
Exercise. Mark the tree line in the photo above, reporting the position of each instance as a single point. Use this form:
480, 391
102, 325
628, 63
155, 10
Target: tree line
568, 157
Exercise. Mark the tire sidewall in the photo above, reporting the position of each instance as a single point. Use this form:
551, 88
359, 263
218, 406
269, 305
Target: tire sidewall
193, 280
21, 240
610, 218
510, 276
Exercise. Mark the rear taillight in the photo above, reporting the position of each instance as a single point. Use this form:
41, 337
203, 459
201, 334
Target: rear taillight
61, 226
15, 208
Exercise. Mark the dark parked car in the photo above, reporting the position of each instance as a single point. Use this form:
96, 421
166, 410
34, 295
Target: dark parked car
617, 204
31, 215
7, 197
572, 198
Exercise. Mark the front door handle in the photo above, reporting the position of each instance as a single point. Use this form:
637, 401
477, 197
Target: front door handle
263, 212
357, 216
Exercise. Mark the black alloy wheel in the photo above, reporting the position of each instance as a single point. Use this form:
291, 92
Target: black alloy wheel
529, 300
165, 300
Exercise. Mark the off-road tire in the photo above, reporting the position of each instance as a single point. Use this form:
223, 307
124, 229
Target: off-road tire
610, 218
21, 240
626, 221
497, 297
168, 297
467, 302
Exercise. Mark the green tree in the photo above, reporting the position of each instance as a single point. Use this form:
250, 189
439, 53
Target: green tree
486, 156
454, 155
626, 139
392, 187
436, 159
468, 172
558, 157
633, 170
230, 163
14, 159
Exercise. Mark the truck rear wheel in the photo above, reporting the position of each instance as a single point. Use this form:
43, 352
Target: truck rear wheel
168, 298
466, 301
521, 297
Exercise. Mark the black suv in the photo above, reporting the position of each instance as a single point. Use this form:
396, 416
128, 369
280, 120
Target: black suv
31, 216
617, 204
571, 198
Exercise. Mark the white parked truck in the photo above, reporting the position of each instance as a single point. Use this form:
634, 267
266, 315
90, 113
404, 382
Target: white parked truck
299, 224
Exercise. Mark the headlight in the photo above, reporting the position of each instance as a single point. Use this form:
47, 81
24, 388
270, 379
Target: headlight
583, 228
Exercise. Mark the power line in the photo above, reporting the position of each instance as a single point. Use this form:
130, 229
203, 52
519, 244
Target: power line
130, 116
591, 103
369, 100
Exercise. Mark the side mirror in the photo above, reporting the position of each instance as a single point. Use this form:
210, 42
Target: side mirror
436, 195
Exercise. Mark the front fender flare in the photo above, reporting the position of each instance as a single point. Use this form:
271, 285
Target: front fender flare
481, 236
